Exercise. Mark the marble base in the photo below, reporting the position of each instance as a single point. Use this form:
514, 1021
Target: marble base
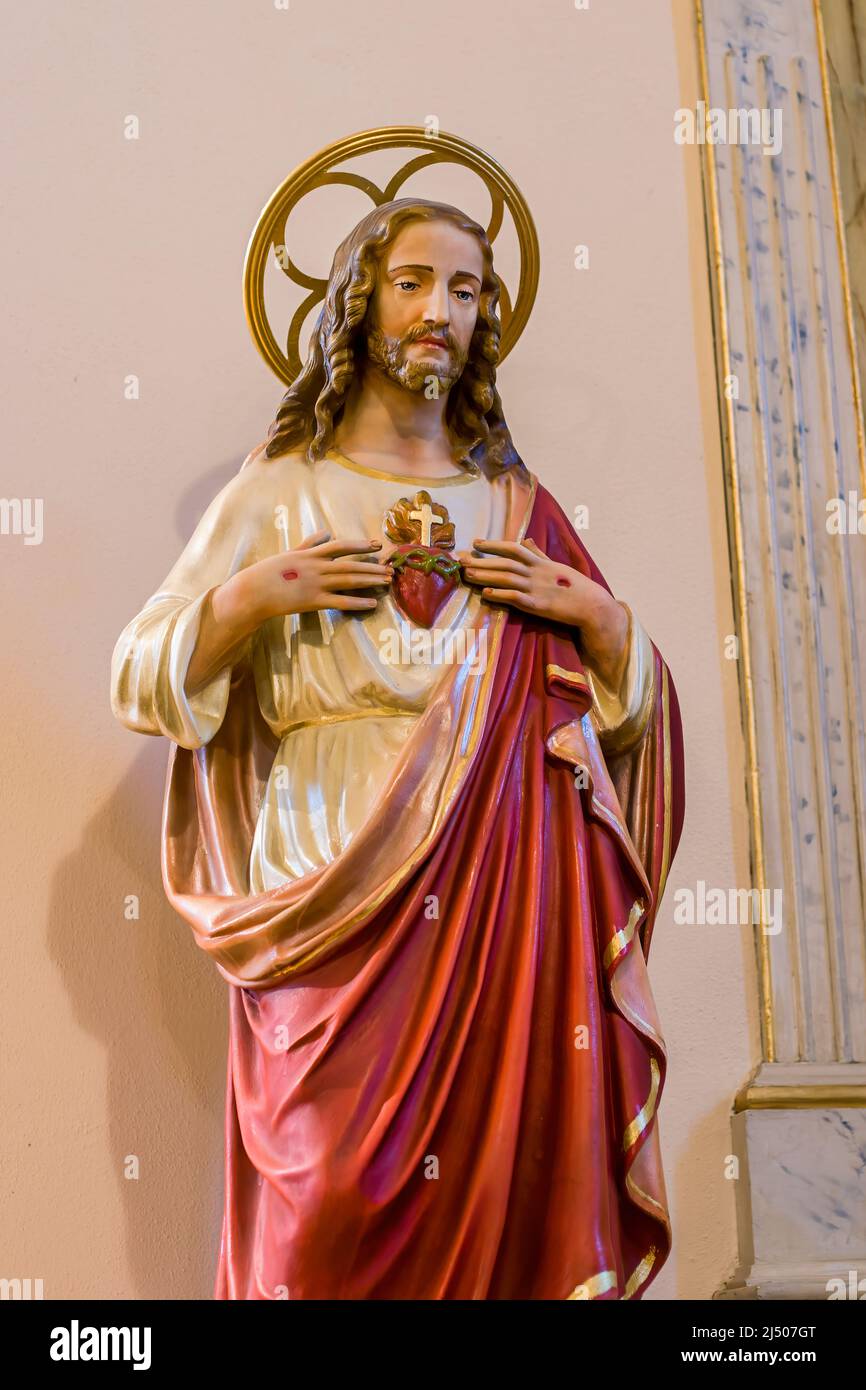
801, 1203
798, 1282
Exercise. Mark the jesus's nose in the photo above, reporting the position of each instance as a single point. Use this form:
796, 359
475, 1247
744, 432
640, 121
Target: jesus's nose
436, 309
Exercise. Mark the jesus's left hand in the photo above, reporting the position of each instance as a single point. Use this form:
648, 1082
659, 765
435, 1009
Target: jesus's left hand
520, 574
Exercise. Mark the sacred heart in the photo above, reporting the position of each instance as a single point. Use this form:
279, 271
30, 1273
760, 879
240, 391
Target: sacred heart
425, 575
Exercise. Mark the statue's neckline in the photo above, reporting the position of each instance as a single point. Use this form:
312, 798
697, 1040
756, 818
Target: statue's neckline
447, 481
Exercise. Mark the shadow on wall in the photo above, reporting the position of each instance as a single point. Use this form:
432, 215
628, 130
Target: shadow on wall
165, 1050
195, 500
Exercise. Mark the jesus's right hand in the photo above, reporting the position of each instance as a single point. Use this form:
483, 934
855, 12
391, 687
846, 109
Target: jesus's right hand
321, 573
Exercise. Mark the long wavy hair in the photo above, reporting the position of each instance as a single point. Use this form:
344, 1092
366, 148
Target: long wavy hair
313, 404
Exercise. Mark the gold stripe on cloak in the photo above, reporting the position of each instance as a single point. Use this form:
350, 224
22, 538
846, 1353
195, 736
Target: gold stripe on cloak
591, 1288
572, 677
620, 942
646, 1112
640, 1274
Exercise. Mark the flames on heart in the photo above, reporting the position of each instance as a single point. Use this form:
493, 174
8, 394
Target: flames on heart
400, 527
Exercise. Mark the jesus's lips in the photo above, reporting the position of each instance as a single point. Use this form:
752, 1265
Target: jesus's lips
432, 342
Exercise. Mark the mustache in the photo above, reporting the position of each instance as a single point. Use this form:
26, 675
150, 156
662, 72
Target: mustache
423, 331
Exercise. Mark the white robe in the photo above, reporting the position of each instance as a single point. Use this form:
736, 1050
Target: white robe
340, 690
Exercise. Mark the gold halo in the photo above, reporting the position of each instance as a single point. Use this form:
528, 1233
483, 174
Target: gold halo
318, 171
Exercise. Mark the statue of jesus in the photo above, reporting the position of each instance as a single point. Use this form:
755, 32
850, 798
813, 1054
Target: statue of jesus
428, 870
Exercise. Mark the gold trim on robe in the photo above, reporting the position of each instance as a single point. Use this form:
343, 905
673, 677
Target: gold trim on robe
469, 476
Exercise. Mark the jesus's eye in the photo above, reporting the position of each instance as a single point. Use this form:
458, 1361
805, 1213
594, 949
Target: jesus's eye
465, 296
407, 284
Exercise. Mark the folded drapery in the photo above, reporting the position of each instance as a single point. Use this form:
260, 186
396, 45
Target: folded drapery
445, 1062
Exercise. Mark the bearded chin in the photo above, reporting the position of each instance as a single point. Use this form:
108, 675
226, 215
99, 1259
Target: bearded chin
386, 355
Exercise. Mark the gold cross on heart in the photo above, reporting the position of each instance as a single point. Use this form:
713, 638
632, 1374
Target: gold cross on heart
420, 519
426, 515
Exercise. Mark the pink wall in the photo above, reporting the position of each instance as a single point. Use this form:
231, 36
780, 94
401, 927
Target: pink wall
125, 257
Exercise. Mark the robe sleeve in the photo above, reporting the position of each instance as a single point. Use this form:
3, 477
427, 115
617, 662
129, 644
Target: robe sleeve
152, 655
621, 712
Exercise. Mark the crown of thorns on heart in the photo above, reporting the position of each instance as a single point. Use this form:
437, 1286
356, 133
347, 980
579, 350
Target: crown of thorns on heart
404, 528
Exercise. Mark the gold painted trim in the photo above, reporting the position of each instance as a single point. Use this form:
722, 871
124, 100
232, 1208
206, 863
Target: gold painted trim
735, 540
320, 171
637, 1019
643, 1118
638, 1196
591, 1288
841, 245
619, 943
844, 1097
641, 1274
382, 713
337, 456
573, 677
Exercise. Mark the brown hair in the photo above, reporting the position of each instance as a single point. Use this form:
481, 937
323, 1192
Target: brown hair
314, 402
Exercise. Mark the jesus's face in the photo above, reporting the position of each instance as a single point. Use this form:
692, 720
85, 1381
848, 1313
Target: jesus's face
423, 310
